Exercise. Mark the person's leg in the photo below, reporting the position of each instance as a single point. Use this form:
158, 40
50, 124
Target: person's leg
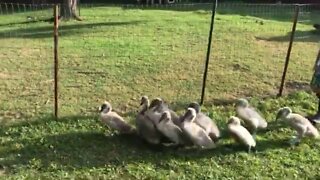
316, 118
318, 112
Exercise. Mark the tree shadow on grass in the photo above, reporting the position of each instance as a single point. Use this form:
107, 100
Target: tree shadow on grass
20, 23
64, 29
300, 36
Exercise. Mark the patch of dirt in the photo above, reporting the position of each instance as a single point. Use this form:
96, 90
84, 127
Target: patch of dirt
5, 76
2, 170
295, 85
10, 115
49, 81
238, 67
28, 52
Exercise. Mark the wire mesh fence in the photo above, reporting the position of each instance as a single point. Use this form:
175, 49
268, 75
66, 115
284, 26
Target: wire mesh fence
250, 45
26, 64
129, 52
120, 53
306, 45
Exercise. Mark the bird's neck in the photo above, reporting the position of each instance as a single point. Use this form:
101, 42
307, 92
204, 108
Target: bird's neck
288, 116
105, 112
144, 108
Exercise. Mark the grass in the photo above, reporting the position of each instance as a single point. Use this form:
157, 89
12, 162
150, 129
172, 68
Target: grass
120, 54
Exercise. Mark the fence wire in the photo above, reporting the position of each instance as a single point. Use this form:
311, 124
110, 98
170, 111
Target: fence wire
26, 66
250, 45
119, 53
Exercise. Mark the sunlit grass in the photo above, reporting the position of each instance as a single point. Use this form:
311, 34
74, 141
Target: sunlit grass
120, 54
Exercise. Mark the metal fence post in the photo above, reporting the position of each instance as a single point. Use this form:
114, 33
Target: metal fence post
295, 19
214, 8
56, 62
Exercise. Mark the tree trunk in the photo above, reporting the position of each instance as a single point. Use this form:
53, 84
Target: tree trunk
68, 10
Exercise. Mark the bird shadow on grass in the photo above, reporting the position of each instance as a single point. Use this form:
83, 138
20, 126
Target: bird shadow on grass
262, 144
81, 143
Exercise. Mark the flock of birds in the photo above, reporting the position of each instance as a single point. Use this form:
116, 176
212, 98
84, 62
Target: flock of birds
157, 124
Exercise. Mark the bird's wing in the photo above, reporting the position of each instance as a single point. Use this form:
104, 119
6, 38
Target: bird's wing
147, 129
154, 116
119, 122
175, 118
253, 114
203, 138
303, 123
208, 125
142, 122
298, 119
243, 135
312, 131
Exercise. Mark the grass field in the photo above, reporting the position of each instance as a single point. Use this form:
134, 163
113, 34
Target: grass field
119, 54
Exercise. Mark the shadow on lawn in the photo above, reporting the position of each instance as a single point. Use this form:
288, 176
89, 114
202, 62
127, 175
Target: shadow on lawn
300, 36
20, 23
64, 29
91, 148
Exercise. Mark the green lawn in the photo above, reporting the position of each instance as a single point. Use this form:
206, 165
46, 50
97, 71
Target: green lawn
120, 54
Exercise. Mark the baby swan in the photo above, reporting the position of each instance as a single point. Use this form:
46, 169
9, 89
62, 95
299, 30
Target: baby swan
113, 120
250, 116
300, 124
205, 122
157, 108
240, 134
169, 129
145, 127
196, 134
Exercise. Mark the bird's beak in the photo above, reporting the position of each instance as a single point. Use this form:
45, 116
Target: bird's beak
152, 105
161, 119
278, 117
235, 104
